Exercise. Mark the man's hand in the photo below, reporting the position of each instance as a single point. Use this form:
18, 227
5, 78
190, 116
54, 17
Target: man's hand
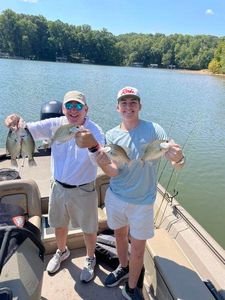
14, 121
102, 158
175, 155
85, 139
105, 163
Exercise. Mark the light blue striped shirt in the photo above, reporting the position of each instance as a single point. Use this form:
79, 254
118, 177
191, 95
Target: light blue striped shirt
136, 183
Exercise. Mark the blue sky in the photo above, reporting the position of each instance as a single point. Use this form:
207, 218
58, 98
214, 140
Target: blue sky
124, 16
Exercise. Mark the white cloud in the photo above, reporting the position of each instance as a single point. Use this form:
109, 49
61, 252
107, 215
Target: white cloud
209, 11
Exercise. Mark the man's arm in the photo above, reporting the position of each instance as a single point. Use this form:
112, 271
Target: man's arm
85, 139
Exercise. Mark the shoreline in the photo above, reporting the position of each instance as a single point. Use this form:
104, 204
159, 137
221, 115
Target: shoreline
200, 72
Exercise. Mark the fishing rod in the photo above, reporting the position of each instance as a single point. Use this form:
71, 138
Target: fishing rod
168, 184
170, 128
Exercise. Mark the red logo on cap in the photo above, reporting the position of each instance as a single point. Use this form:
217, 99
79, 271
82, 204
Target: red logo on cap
127, 91
19, 221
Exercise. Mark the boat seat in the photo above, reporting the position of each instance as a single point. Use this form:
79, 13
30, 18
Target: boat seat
169, 273
101, 184
24, 193
22, 273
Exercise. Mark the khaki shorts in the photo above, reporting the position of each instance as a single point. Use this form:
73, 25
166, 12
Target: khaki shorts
139, 218
78, 205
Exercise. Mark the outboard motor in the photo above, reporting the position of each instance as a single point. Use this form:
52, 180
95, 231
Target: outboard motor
51, 109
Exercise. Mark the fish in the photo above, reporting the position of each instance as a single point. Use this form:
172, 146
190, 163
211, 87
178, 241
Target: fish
27, 146
13, 146
20, 143
63, 134
155, 150
117, 154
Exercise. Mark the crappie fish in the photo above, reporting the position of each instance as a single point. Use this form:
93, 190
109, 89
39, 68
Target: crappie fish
13, 146
20, 143
27, 146
64, 133
155, 150
117, 154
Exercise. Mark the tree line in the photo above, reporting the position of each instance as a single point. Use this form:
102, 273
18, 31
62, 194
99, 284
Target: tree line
34, 37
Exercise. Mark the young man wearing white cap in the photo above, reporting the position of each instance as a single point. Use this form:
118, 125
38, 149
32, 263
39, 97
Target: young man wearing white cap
132, 191
73, 196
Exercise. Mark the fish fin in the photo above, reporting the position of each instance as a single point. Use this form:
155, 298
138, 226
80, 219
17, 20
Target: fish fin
133, 162
141, 161
171, 142
127, 150
142, 150
143, 147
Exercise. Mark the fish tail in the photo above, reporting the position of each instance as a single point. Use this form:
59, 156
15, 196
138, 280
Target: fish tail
134, 161
32, 163
142, 161
14, 163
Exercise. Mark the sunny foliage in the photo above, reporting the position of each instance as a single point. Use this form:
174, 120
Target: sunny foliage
34, 37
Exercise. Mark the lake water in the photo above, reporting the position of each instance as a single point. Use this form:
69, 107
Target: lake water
190, 107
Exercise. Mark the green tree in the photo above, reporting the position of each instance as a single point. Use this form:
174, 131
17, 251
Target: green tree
27, 31
214, 66
8, 32
34, 36
220, 56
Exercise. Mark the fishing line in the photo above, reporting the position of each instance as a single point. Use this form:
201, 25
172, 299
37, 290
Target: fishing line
174, 171
159, 178
164, 196
163, 169
178, 174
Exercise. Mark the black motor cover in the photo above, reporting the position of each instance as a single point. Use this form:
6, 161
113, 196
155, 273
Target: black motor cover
51, 109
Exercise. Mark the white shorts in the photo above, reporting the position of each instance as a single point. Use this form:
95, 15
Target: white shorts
78, 205
138, 217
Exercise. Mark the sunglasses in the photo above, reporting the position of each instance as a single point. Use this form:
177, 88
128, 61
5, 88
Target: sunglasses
69, 105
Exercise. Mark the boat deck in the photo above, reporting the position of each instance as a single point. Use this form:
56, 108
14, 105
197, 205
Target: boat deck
65, 284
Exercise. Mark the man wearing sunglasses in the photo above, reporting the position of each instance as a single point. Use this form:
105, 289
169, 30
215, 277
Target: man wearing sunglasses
73, 196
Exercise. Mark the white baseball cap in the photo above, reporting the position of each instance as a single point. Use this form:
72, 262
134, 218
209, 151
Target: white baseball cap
128, 91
